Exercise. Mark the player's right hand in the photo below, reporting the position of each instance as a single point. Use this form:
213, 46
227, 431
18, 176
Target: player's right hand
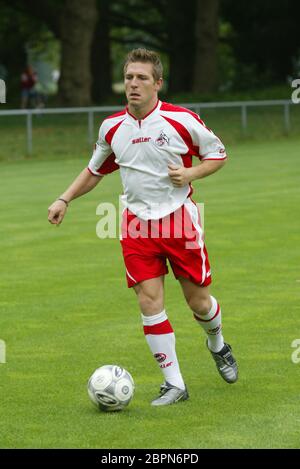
56, 212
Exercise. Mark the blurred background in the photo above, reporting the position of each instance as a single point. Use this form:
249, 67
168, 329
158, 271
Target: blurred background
232, 62
211, 49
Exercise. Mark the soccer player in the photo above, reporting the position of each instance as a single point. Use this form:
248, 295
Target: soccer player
152, 144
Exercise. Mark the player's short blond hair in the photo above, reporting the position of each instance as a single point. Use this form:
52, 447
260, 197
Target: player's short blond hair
145, 56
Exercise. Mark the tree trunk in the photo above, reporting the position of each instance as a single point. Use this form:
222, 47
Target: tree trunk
100, 56
207, 27
181, 22
77, 24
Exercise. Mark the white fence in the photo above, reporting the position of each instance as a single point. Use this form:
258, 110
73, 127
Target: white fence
197, 107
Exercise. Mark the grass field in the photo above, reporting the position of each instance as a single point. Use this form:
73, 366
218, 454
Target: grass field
65, 309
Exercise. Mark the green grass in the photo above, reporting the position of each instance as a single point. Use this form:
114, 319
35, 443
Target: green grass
65, 309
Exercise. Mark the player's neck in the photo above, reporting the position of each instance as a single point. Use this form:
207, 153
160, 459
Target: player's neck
139, 112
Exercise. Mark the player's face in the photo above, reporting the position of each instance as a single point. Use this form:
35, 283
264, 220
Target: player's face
140, 86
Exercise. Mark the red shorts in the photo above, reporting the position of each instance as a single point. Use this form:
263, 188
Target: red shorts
177, 237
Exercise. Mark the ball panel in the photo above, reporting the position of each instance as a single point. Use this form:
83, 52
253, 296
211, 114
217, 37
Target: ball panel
101, 378
123, 389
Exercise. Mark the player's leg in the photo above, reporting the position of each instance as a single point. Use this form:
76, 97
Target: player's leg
207, 313
145, 271
159, 333
150, 295
189, 260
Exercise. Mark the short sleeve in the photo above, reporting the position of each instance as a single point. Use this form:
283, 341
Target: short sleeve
210, 146
102, 161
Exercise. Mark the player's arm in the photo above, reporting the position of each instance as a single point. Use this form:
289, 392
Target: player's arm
84, 183
207, 147
181, 176
101, 163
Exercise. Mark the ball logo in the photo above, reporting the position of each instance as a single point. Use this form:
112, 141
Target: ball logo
160, 357
118, 371
100, 379
105, 399
125, 390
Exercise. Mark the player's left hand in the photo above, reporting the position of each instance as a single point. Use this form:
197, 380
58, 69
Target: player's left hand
179, 175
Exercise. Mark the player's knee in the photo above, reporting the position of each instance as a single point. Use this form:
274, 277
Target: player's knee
150, 304
200, 305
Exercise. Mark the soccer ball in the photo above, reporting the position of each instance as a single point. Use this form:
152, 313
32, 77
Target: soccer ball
110, 387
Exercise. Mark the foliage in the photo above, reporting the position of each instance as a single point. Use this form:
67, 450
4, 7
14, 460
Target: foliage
265, 39
259, 42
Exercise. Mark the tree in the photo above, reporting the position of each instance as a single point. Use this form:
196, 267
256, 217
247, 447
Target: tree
73, 23
181, 44
77, 25
16, 30
265, 39
101, 64
206, 37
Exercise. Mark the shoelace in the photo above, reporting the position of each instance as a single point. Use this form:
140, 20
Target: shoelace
227, 358
163, 389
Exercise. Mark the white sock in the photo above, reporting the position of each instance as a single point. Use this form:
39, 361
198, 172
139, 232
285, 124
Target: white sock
211, 323
161, 340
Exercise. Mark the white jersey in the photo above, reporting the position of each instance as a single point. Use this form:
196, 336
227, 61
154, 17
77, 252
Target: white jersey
142, 150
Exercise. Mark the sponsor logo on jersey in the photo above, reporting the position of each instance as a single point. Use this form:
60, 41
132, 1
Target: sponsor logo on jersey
141, 140
162, 139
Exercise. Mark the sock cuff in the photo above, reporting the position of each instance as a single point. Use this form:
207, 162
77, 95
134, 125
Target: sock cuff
212, 314
157, 324
155, 319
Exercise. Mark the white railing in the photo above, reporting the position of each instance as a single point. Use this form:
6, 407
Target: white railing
197, 107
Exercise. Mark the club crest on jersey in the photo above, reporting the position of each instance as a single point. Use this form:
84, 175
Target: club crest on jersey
162, 139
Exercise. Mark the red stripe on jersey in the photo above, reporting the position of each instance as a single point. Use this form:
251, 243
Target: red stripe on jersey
208, 320
112, 131
215, 159
157, 329
172, 108
109, 165
186, 137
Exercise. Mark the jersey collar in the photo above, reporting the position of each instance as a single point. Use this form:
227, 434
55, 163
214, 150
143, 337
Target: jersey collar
150, 113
